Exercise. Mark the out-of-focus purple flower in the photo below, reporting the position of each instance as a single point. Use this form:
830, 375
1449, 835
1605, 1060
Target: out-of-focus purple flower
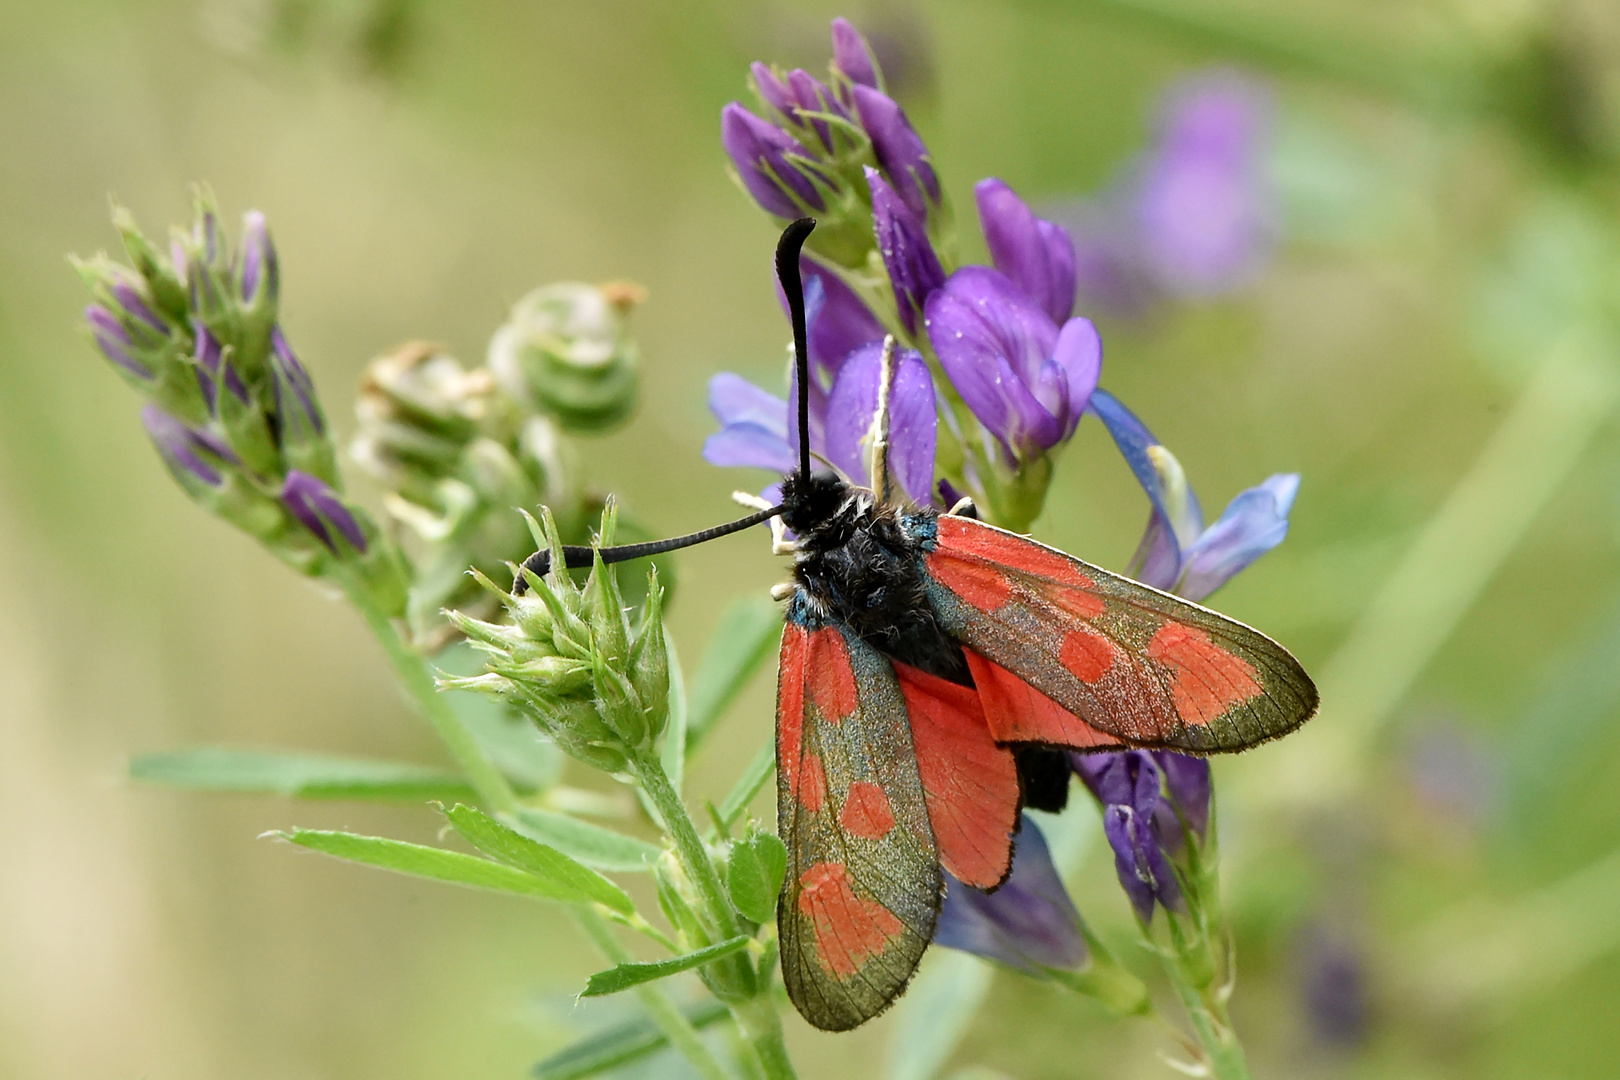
192, 455
1195, 215
914, 269
1177, 553
774, 166
1029, 923
912, 419
852, 56
1140, 826
898, 148
1027, 381
1187, 780
1036, 255
800, 95
212, 366
1334, 987
296, 403
114, 342
319, 509
259, 261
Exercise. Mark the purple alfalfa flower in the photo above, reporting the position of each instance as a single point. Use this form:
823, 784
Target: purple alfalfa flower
1128, 785
837, 321
1187, 782
758, 428
320, 510
1177, 553
774, 167
799, 99
1036, 255
195, 457
115, 344
212, 365
1029, 923
297, 406
914, 269
1027, 381
260, 266
898, 148
1195, 215
852, 56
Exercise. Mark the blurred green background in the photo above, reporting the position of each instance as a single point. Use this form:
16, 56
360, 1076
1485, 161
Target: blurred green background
1420, 891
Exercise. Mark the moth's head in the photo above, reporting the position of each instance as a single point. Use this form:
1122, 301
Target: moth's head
808, 501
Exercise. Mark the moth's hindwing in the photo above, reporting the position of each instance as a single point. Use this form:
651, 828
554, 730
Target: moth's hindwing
1068, 654
863, 883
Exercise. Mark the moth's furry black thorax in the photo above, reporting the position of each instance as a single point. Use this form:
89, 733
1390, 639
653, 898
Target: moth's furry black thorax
861, 566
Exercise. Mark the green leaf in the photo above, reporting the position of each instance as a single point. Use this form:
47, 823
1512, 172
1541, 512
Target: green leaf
673, 753
592, 845
516, 850
625, 976
621, 1044
754, 874
748, 633
301, 776
430, 862
742, 793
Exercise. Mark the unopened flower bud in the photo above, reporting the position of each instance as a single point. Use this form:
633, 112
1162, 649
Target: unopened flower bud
300, 425
322, 511
162, 277
566, 350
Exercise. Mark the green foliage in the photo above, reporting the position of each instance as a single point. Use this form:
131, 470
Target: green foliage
620, 1045
516, 850
592, 845
299, 776
754, 874
625, 976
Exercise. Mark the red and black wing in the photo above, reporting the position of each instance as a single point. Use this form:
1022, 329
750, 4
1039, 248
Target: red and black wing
863, 883
1068, 654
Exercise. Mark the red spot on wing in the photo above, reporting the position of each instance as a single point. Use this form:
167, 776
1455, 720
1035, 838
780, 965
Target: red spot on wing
790, 702
848, 928
1017, 712
1021, 553
1087, 654
810, 783
1208, 680
970, 785
975, 583
1085, 605
867, 813
830, 677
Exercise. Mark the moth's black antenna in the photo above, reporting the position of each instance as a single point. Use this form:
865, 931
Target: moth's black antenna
787, 272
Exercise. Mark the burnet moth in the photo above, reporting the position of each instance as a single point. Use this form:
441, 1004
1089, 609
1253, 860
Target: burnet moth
934, 671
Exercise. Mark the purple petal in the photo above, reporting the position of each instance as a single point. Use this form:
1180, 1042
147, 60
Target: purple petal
773, 91
761, 150
1254, 522
898, 148
316, 506
754, 426
1119, 826
993, 342
1187, 780
1175, 524
747, 446
851, 55
1079, 353
129, 298
184, 448
1036, 255
113, 341
912, 419
735, 400
914, 270
837, 320
258, 258
813, 96
1029, 923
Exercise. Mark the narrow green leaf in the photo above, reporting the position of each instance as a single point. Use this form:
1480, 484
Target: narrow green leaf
429, 862
748, 633
625, 976
296, 775
673, 752
754, 874
592, 845
516, 850
621, 1044
742, 793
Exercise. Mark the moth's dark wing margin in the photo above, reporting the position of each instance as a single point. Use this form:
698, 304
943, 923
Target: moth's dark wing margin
1137, 665
863, 885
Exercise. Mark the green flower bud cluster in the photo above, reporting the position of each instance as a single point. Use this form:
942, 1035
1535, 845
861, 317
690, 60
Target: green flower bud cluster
566, 351
572, 660
229, 407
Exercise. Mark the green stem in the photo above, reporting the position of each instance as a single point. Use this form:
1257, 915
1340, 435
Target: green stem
733, 978
670, 1020
1206, 1008
492, 787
